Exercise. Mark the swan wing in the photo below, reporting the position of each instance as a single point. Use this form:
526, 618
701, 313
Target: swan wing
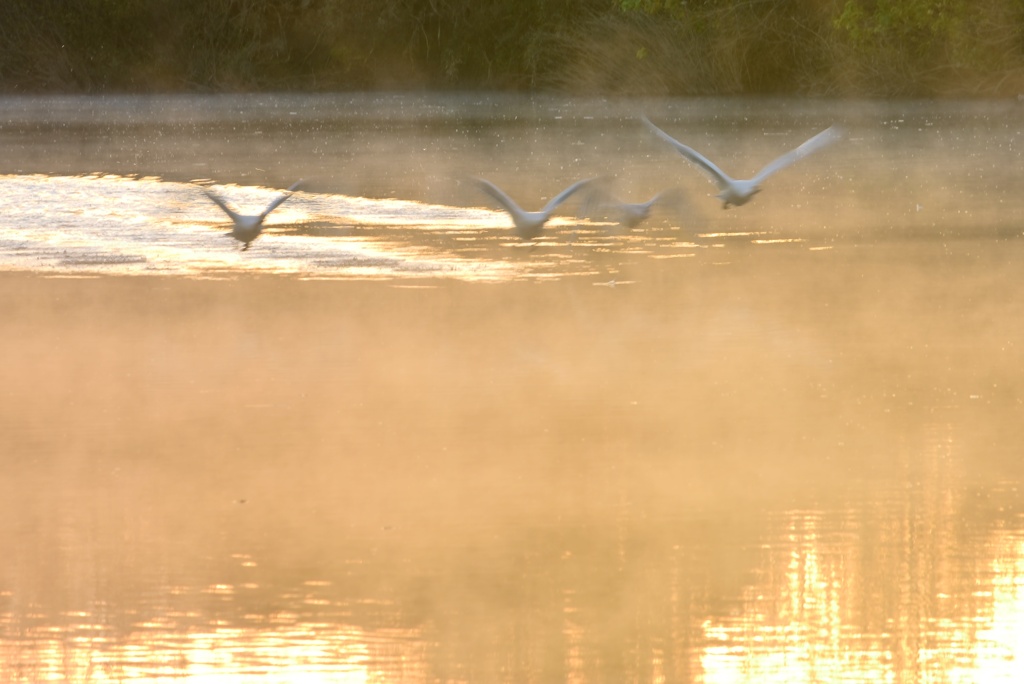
235, 216
507, 203
280, 200
564, 195
275, 204
826, 137
660, 197
719, 177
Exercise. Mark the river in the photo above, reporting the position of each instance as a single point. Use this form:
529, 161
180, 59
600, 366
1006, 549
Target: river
391, 442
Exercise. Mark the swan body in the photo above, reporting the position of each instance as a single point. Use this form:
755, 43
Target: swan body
627, 214
529, 224
247, 228
633, 214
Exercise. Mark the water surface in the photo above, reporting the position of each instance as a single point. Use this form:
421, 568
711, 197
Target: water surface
778, 443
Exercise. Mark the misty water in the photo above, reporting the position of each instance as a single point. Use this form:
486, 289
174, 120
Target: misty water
391, 443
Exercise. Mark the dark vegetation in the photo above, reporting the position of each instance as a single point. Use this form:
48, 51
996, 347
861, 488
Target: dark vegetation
655, 47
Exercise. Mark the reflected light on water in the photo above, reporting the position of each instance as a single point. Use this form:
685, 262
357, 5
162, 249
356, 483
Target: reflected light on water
819, 610
119, 225
217, 654
792, 626
573, 633
1001, 639
144, 226
807, 619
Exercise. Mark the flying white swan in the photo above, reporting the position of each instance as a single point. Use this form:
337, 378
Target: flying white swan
739, 192
529, 224
627, 214
248, 228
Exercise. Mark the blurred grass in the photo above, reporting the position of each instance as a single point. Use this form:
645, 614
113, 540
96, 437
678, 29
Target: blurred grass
621, 47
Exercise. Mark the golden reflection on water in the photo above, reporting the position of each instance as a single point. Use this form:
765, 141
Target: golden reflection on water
791, 627
879, 594
219, 654
1001, 639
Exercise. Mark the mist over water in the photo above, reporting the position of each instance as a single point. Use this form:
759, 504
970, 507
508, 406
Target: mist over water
778, 443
